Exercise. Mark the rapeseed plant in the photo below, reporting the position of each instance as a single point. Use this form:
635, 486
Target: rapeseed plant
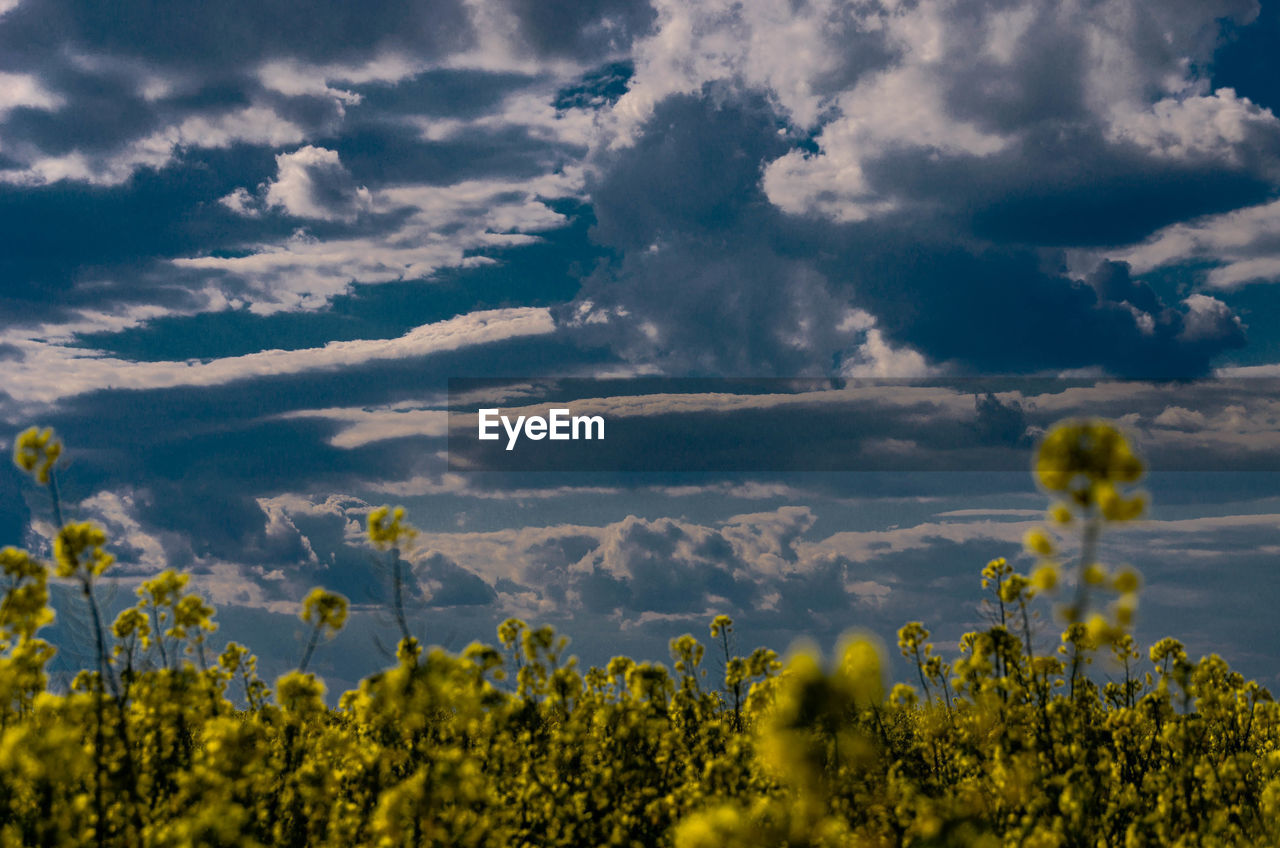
992, 742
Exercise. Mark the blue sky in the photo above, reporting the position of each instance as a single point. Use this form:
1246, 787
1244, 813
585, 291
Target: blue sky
247, 244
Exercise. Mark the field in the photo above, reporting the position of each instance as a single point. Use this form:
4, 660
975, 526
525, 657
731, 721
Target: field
992, 743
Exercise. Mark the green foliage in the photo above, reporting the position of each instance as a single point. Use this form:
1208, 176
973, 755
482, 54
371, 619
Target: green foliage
1000, 745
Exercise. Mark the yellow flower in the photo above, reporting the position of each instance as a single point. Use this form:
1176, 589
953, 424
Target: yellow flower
36, 451
131, 622
713, 828
324, 609
1115, 507
1093, 450
861, 666
17, 563
300, 693
1045, 578
1038, 542
78, 551
164, 588
387, 527
1127, 581
1005, 743
1125, 608
192, 613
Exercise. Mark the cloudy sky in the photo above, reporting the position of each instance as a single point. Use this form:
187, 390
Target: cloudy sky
247, 244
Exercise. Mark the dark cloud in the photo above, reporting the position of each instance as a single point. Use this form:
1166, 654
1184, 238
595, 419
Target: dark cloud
690, 187
446, 584
598, 88
662, 568
582, 28
999, 311
1246, 59
109, 111
227, 37
694, 171
382, 153
1000, 423
703, 248
1042, 82
444, 93
1112, 282
74, 246
677, 258
1066, 186
539, 274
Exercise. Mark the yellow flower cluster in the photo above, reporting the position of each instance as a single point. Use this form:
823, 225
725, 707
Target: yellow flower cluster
1092, 463
387, 527
36, 451
1003, 743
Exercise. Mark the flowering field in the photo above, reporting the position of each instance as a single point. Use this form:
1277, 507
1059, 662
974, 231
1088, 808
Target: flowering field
996, 741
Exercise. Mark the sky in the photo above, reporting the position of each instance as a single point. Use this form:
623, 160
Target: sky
247, 245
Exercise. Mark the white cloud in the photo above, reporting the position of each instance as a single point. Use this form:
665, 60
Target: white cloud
900, 107
24, 90
249, 125
1014, 513
875, 357
779, 48
242, 202
311, 182
761, 540
749, 490
304, 272
293, 79
532, 110
498, 46
363, 426
1242, 243
1205, 318
883, 77
1180, 418
465, 486
1215, 126
116, 512
49, 371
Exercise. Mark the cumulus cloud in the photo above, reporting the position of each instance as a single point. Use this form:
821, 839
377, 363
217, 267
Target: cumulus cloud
443, 583
1218, 125
956, 80
703, 246
939, 154
875, 357
133, 545
637, 567
310, 182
